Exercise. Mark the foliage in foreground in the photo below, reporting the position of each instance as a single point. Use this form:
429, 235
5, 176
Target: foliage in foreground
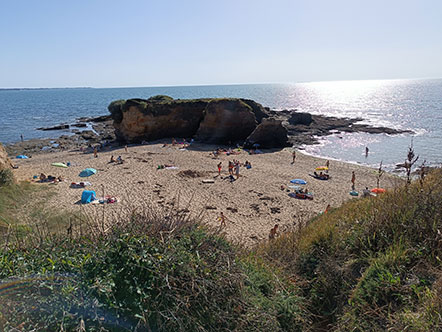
155, 273
372, 264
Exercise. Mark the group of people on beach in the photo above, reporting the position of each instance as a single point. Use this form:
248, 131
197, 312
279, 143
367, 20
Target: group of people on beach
233, 168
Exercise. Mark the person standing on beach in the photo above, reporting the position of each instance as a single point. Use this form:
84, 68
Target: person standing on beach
125, 148
220, 165
353, 179
230, 168
223, 219
21, 137
95, 152
327, 164
366, 151
237, 170
293, 156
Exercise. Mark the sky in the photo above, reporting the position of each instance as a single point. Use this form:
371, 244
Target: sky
106, 43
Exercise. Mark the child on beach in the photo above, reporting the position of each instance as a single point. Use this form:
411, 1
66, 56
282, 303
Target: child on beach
293, 156
219, 168
353, 179
223, 219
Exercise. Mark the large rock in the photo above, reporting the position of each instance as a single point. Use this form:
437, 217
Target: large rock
136, 120
226, 121
297, 118
5, 162
210, 120
270, 133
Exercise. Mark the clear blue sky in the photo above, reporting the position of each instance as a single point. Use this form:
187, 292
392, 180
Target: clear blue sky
104, 43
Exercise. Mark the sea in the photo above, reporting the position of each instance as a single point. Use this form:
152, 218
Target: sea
414, 105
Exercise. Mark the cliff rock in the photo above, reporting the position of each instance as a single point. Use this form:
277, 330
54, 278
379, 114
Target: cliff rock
5, 162
226, 120
220, 120
270, 133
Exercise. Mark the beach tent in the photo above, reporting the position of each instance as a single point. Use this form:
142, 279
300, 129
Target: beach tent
378, 190
87, 172
321, 168
59, 165
21, 156
88, 196
298, 181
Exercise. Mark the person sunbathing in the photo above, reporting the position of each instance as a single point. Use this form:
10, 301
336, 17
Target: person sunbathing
120, 160
42, 177
112, 160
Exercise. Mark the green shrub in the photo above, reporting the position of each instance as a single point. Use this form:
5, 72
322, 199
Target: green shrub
159, 273
160, 99
6, 177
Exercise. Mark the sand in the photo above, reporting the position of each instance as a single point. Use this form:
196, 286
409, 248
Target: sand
252, 204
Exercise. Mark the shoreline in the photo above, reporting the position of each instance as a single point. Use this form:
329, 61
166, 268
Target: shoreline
253, 203
92, 131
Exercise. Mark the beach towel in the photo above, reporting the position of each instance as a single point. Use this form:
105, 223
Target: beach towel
59, 165
87, 172
21, 156
88, 196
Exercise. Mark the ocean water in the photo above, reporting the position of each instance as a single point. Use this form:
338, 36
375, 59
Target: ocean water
400, 104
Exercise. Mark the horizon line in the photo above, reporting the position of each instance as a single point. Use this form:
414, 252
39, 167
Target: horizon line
211, 84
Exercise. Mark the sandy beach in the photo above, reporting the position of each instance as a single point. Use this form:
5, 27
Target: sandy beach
252, 204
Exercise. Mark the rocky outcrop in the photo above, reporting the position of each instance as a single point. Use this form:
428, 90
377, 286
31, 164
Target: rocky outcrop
5, 162
221, 120
226, 120
270, 133
299, 118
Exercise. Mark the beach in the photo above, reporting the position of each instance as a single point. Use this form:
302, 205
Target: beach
252, 204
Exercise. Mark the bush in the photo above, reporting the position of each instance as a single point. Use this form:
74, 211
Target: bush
160, 99
372, 264
6, 177
152, 272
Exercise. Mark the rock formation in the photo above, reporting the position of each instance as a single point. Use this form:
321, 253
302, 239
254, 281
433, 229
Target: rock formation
216, 121
269, 133
5, 162
226, 120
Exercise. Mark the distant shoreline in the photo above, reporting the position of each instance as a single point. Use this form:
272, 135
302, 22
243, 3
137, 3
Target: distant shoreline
25, 89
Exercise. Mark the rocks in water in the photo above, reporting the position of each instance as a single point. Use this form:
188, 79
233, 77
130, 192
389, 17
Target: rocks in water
270, 133
59, 127
79, 125
300, 118
89, 135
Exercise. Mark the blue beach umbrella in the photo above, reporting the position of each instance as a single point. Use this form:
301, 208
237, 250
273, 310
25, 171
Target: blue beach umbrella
87, 172
298, 181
